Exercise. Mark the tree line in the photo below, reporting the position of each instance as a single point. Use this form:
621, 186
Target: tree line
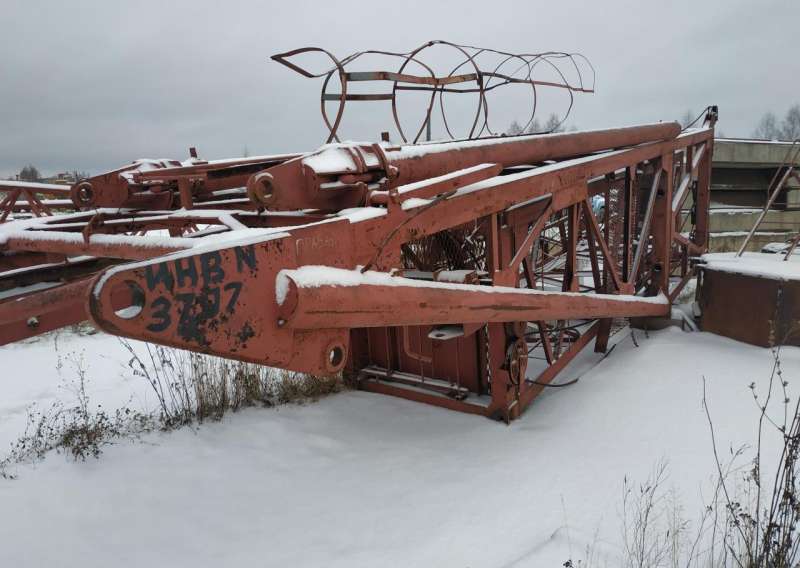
768, 128
32, 173
552, 124
787, 129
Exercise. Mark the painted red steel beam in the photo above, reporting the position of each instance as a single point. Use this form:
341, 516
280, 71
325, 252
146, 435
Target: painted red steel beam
50, 189
425, 161
372, 299
156, 187
110, 246
339, 177
46, 310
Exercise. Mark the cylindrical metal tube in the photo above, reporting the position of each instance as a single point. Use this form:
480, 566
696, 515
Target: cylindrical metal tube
423, 161
336, 298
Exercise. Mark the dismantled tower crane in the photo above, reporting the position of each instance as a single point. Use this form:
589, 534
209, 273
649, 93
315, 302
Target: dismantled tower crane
465, 274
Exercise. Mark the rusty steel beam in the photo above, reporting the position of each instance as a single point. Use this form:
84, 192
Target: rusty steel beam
350, 299
165, 184
412, 165
49, 189
34, 313
110, 246
339, 177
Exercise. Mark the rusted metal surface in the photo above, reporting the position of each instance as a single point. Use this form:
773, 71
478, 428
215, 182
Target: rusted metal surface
768, 317
30, 314
404, 302
342, 176
466, 274
21, 196
171, 184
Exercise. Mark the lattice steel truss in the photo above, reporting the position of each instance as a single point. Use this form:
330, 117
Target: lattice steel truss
465, 274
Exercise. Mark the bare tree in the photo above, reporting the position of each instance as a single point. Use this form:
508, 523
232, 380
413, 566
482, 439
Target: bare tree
514, 129
534, 128
553, 124
29, 173
767, 127
77, 175
790, 128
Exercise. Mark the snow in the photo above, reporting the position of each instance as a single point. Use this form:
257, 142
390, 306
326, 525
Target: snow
528, 174
755, 141
453, 275
722, 234
779, 247
337, 158
763, 265
361, 479
356, 214
423, 149
30, 374
414, 202
733, 210
43, 187
47, 202
20, 290
248, 160
439, 179
148, 164
98, 239
47, 229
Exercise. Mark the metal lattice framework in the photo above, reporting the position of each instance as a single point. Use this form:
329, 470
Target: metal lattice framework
465, 274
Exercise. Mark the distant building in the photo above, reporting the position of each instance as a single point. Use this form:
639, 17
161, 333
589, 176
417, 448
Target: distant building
65, 178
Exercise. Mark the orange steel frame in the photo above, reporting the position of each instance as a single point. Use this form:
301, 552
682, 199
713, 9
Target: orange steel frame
321, 263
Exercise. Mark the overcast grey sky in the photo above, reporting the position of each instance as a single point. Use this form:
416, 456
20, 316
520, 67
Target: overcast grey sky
92, 85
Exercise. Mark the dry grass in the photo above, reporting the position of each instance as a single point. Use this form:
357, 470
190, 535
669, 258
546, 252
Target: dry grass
189, 388
194, 387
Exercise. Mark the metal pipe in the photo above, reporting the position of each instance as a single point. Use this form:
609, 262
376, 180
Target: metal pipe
377, 299
299, 183
648, 217
424, 161
765, 211
111, 246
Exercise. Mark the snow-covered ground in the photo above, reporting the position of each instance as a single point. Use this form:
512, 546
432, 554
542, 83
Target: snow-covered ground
360, 479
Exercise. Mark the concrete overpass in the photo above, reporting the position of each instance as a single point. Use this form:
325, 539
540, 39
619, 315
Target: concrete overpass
741, 173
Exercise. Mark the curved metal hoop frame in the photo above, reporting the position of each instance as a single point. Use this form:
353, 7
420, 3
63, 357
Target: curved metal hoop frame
468, 77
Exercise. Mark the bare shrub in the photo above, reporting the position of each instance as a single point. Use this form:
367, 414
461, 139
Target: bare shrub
188, 386
645, 539
191, 386
762, 513
80, 430
751, 519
